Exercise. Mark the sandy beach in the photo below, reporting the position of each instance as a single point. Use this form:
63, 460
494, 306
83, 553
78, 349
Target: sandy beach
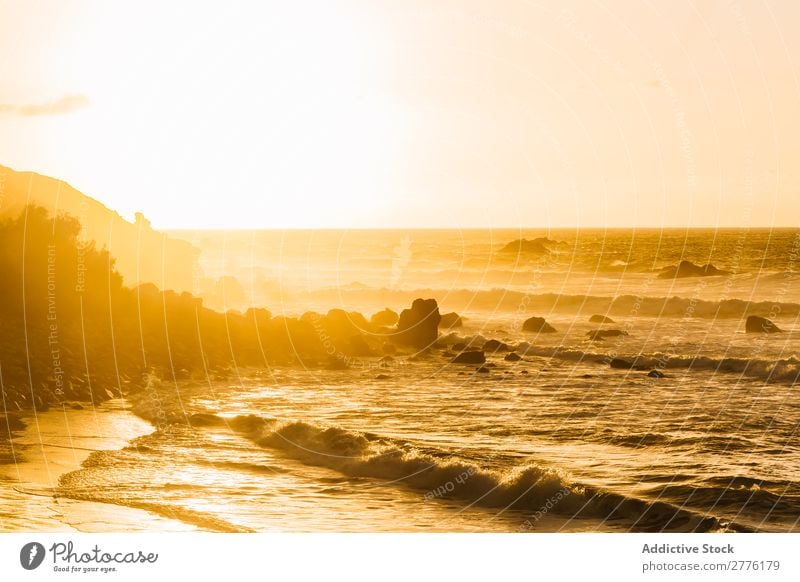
55, 443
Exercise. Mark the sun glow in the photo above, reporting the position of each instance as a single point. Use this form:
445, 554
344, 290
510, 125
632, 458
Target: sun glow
268, 105
381, 114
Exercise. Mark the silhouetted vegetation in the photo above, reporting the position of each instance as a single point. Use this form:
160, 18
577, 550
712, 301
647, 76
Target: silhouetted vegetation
72, 331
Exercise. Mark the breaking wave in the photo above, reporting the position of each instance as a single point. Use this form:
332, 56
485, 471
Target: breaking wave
528, 487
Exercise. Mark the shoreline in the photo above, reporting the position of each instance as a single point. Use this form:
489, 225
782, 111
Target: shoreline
57, 442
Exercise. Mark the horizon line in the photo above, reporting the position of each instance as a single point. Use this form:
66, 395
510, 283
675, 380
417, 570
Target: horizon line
471, 228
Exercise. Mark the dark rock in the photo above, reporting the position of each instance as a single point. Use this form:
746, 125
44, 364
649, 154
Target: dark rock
385, 318
524, 372
460, 346
513, 357
339, 322
358, 346
655, 374
537, 324
471, 357
482, 370
382, 377
419, 326
600, 319
622, 364
689, 269
258, 316
491, 365
523, 246
494, 345
451, 320
336, 364
756, 324
601, 334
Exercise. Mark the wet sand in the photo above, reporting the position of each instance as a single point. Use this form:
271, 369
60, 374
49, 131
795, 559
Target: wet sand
57, 442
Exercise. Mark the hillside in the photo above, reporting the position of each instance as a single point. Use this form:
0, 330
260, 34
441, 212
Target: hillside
143, 255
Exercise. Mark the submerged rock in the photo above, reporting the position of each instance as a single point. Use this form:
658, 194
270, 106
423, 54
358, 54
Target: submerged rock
601, 334
513, 357
756, 324
689, 269
655, 374
537, 324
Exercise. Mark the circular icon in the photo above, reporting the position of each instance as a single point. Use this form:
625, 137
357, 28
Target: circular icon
31, 555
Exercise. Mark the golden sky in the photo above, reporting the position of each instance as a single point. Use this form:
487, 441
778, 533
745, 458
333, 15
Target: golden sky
410, 113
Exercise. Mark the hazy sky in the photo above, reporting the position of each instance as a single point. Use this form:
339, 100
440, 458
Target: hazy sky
410, 112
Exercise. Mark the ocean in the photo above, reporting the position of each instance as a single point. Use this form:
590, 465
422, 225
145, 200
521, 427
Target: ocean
557, 440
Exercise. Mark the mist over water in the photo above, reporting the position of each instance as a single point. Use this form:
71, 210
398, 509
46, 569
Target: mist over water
467, 269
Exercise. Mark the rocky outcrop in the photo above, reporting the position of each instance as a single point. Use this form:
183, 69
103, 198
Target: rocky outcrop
513, 357
385, 318
600, 319
538, 325
471, 357
689, 269
756, 324
451, 320
419, 326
